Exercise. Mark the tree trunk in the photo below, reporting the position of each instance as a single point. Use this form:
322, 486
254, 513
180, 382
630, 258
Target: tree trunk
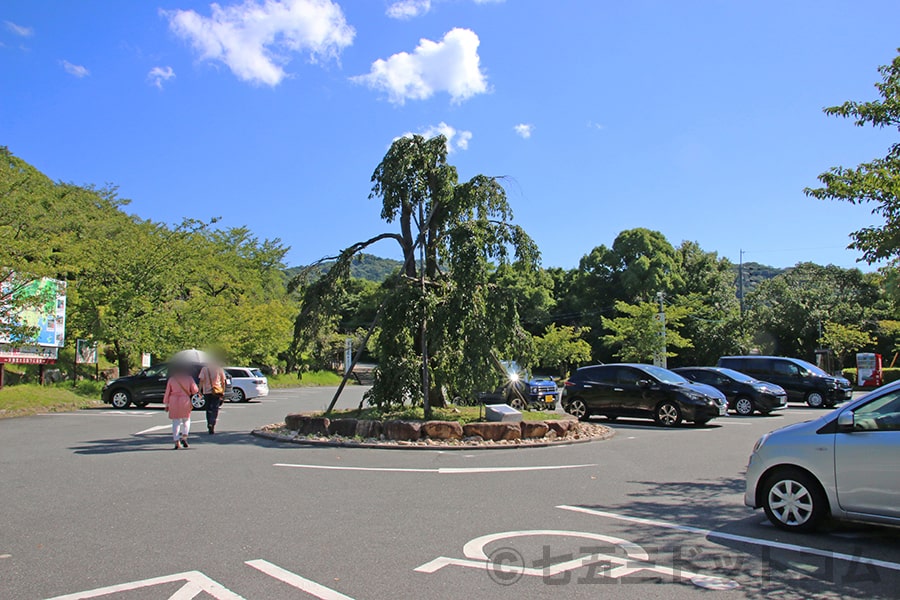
123, 359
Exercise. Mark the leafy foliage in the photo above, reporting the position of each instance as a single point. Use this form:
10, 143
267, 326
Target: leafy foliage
637, 334
877, 181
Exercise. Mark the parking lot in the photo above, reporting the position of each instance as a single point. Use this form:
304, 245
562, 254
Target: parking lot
96, 505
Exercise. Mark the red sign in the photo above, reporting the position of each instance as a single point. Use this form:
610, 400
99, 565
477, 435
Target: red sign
27, 360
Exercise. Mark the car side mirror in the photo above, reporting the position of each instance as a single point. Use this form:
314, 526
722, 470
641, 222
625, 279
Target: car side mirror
846, 420
643, 383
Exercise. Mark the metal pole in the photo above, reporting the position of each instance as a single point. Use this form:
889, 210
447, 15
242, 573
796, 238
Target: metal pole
425, 383
663, 362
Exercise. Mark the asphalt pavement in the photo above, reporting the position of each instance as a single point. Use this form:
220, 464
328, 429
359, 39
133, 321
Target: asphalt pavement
96, 504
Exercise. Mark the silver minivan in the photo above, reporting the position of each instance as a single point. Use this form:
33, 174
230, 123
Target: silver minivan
845, 465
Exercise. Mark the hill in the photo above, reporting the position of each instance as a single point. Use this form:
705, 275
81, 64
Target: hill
754, 274
365, 266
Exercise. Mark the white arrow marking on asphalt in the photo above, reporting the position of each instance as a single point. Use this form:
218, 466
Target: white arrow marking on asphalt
195, 583
161, 427
441, 471
737, 538
294, 580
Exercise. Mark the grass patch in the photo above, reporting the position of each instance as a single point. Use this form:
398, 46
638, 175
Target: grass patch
309, 379
463, 414
30, 399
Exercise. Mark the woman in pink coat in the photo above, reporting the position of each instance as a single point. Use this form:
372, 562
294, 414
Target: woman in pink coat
179, 389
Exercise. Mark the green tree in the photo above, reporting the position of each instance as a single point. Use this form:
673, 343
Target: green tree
785, 313
450, 308
844, 340
878, 181
561, 347
637, 336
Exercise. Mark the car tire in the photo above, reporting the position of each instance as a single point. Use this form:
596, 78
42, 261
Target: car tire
578, 409
120, 399
198, 401
815, 400
667, 414
517, 403
793, 500
238, 395
744, 406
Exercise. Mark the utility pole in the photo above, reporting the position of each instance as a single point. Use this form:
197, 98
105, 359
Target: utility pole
741, 291
660, 358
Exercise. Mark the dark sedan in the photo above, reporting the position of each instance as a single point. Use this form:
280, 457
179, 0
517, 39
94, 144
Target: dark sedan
636, 390
744, 393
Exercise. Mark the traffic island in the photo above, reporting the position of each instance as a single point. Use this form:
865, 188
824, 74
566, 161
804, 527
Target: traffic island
446, 435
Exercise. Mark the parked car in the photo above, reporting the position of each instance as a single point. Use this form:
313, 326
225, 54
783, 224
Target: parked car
803, 382
744, 393
636, 390
842, 465
517, 387
149, 385
246, 383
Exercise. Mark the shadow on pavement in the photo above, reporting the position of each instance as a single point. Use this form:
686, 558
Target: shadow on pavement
773, 570
154, 443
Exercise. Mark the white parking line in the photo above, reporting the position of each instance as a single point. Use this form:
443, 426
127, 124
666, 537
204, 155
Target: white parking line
161, 427
195, 583
294, 580
736, 538
440, 471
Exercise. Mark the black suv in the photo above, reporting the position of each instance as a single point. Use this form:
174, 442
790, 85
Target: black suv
803, 382
744, 393
635, 390
149, 385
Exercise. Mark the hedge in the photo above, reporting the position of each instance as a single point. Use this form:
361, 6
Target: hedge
889, 375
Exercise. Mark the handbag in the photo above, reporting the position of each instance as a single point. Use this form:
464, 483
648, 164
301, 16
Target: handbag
217, 387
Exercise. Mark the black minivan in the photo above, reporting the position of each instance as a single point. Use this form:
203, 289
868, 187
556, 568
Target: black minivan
803, 381
636, 390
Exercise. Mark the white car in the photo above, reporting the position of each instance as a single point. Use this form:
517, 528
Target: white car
843, 465
246, 383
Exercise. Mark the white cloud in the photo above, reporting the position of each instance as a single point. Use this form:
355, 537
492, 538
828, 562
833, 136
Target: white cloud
76, 70
451, 65
255, 39
408, 9
593, 125
524, 130
158, 75
457, 139
19, 30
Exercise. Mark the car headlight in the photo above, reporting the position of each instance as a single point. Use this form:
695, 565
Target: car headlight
759, 443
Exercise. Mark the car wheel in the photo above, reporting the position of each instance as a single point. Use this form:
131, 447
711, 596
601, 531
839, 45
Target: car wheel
815, 400
517, 403
743, 406
198, 401
120, 399
793, 500
667, 414
238, 395
577, 409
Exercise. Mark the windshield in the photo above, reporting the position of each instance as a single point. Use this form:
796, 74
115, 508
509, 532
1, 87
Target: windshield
737, 375
664, 375
811, 368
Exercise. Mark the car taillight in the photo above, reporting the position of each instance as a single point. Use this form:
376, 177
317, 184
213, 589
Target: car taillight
568, 383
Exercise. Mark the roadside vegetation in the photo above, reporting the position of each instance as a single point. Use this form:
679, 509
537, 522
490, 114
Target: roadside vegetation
462, 414
30, 398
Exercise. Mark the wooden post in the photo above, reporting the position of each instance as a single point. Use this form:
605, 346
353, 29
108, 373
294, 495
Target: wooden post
2, 374
41, 374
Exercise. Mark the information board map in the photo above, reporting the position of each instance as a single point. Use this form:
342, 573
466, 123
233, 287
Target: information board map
46, 317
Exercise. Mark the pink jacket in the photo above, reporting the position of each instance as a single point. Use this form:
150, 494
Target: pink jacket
179, 390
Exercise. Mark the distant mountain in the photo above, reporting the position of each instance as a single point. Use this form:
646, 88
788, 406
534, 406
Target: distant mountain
754, 274
365, 266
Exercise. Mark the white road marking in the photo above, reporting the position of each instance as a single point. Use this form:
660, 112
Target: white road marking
637, 560
294, 580
5, 555
161, 427
440, 471
195, 584
737, 538
102, 413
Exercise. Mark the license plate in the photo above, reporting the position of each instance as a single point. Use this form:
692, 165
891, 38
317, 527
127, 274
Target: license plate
550, 399
723, 410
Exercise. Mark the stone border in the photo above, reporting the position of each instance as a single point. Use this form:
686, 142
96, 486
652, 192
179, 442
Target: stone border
316, 431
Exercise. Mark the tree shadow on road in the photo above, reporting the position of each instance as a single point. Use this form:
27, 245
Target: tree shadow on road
719, 543
154, 443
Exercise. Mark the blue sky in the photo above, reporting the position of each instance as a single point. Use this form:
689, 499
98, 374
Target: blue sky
701, 119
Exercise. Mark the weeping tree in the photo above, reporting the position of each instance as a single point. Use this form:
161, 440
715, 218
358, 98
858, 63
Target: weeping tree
452, 306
